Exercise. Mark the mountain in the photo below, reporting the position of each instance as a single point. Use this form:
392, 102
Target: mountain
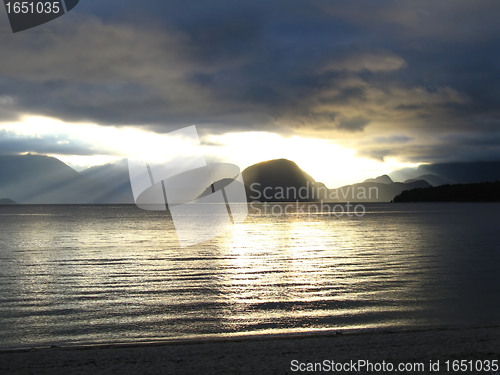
480, 192
281, 180
431, 179
221, 184
384, 179
115, 178
7, 202
373, 191
453, 173
38, 179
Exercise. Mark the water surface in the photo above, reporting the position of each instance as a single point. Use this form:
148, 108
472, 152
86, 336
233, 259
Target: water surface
95, 274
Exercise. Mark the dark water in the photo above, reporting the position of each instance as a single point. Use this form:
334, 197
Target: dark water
93, 274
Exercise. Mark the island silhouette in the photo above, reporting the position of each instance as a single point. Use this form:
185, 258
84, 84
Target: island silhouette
480, 192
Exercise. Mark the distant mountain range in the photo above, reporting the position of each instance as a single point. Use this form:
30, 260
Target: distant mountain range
7, 202
380, 189
38, 179
282, 180
451, 173
42, 179
115, 178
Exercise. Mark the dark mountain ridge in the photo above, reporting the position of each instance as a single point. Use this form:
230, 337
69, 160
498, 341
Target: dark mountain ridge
373, 191
452, 173
480, 192
116, 180
38, 179
7, 202
280, 180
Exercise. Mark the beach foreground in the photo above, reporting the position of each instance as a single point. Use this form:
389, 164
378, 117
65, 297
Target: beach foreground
266, 354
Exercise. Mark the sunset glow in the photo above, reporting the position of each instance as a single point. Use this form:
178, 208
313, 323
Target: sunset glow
325, 160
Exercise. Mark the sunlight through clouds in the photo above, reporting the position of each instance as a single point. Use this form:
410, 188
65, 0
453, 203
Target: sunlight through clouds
94, 144
102, 144
323, 159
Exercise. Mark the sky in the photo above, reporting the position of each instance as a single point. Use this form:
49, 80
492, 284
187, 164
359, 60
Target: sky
347, 89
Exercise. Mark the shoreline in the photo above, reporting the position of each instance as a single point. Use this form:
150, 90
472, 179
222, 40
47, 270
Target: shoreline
259, 354
258, 336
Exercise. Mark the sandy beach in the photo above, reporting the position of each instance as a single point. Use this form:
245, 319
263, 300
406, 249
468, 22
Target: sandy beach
269, 354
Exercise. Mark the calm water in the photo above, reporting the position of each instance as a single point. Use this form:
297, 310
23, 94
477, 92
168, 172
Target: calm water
92, 274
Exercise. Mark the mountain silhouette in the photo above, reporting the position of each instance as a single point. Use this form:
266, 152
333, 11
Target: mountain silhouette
384, 179
115, 179
370, 191
452, 173
38, 179
431, 179
281, 180
218, 185
7, 202
480, 192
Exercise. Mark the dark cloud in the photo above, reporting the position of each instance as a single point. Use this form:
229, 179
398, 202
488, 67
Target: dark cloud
407, 79
448, 148
396, 139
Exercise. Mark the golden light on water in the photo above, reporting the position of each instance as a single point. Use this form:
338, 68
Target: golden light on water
269, 274
316, 265
260, 253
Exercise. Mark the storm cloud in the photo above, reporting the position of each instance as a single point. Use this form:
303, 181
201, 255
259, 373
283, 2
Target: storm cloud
413, 80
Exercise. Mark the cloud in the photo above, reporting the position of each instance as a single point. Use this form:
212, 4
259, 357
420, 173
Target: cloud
11, 143
363, 73
446, 20
110, 73
359, 62
394, 139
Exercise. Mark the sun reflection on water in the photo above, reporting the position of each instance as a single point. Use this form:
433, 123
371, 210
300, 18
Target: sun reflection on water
100, 274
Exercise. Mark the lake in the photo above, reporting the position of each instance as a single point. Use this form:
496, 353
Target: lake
100, 274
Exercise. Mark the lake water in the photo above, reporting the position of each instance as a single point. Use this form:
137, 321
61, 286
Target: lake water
99, 274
